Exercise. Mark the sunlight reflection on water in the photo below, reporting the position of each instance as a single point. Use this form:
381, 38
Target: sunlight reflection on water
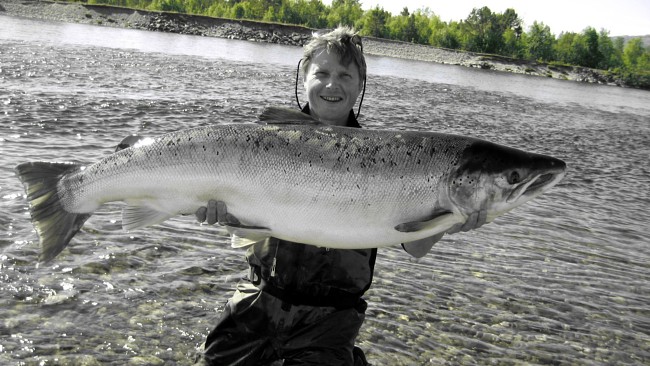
562, 280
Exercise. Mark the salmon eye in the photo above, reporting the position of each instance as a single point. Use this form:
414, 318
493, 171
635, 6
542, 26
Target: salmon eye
514, 178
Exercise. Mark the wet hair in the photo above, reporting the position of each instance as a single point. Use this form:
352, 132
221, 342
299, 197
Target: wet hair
345, 43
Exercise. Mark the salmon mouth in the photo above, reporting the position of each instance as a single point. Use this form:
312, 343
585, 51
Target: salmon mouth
540, 182
534, 186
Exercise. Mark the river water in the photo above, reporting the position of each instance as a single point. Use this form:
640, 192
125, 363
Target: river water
563, 280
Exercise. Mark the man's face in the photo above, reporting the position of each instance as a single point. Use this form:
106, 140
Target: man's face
332, 88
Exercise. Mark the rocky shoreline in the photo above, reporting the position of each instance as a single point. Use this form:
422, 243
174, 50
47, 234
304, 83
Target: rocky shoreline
280, 34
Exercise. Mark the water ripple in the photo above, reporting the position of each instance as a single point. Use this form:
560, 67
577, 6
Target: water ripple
562, 280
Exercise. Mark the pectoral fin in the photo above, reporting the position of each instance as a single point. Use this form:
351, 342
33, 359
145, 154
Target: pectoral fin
135, 217
420, 248
246, 235
237, 242
440, 219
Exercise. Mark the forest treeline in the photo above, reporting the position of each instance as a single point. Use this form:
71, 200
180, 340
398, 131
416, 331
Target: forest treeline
483, 31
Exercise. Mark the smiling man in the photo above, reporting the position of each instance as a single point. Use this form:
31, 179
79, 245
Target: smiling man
301, 304
333, 78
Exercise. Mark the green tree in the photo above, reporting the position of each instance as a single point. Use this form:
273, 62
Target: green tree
633, 55
570, 48
311, 13
218, 9
480, 31
485, 30
448, 36
513, 44
592, 57
426, 22
610, 56
539, 42
238, 11
345, 12
402, 27
373, 23
619, 46
168, 5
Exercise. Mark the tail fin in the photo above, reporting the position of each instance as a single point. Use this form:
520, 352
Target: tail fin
54, 225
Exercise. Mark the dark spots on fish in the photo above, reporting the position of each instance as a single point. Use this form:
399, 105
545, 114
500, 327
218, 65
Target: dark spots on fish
204, 148
467, 180
170, 143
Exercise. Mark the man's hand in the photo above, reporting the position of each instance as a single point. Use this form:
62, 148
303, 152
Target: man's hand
215, 212
474, 221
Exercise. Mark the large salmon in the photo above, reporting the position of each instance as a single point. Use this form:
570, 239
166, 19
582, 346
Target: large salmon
334, 187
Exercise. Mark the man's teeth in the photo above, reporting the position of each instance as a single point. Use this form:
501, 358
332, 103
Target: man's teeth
331, 99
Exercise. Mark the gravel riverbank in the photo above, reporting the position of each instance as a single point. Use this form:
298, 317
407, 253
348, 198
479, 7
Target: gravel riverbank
278, 33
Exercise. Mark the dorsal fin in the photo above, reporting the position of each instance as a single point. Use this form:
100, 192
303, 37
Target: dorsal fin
286, 116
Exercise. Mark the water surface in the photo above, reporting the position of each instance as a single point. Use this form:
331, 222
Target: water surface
562, 280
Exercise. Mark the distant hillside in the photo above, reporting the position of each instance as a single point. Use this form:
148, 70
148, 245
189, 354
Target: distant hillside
645, 39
